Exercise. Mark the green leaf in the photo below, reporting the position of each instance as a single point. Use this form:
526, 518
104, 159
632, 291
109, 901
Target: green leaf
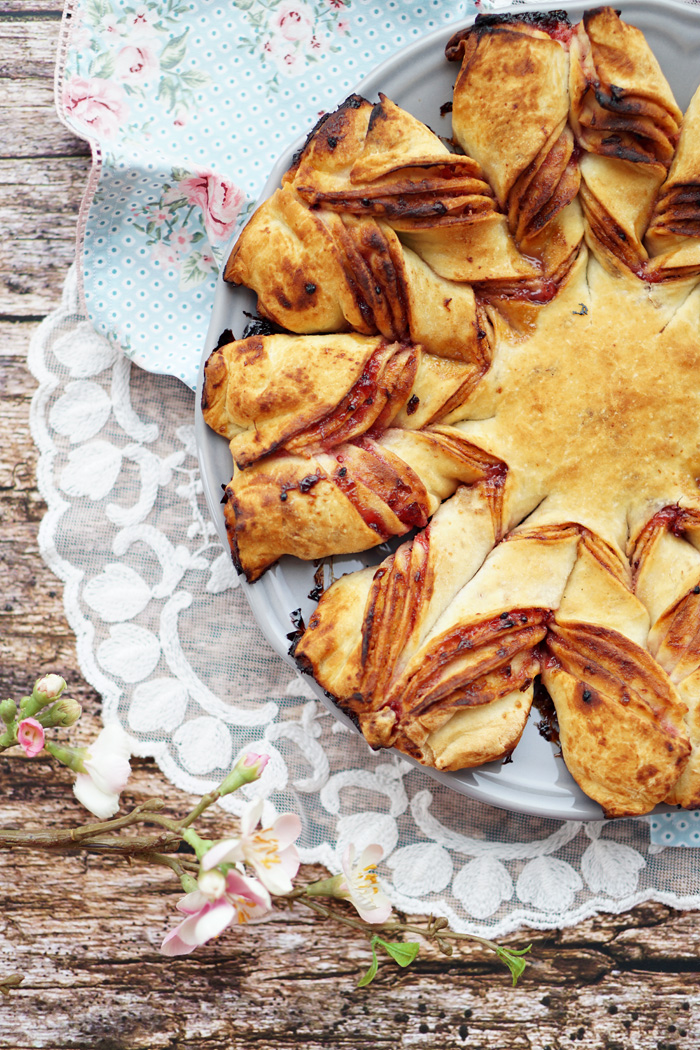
402, 952
194, 79
371, 973
96, 10
180, 174
166, 92
102, 66
511, 957
174, 51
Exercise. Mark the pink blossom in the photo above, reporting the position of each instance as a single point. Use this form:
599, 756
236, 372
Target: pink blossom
219, 901
269, 851
293, 21
165, 255
181, 240
220, 200
337, 3
136, 65
30, 736
251, 759
98, 106
110, 24
343, 26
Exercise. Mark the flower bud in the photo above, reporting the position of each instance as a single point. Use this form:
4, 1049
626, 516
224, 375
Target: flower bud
247, 769
49, 687
8, 711
65, 712
189, 884
30, 737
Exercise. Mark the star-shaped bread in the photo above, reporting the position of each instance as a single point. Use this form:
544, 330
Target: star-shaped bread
491, 348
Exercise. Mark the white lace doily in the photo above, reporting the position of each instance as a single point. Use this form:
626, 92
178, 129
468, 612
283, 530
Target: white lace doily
165, 635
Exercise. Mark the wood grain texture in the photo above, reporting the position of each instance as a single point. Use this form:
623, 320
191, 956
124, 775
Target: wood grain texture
85, 929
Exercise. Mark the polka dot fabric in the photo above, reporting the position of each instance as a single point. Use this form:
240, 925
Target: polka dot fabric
675, 829
189, 105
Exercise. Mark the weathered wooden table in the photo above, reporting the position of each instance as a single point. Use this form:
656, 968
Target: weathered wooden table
85, 929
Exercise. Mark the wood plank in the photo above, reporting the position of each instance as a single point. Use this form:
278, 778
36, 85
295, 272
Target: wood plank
29, 126
32, 9
29, 46
39, 202
15, 334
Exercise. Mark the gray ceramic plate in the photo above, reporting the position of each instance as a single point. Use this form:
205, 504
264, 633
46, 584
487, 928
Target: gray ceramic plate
420, 80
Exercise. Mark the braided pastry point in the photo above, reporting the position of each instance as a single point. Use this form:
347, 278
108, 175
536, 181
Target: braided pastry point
332, 441
667, 569
626, 120
379, 160
621, 721
319, 271
673, 235
348, 499
519, 133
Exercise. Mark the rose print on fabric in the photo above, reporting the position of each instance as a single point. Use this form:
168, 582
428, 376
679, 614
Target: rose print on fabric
136, 65
98, 107
125, 49
220, 200
191, 222
289, 34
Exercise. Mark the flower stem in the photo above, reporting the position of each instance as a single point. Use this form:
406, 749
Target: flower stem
66, 836
125, 845
429, 932
204, 803
180, 867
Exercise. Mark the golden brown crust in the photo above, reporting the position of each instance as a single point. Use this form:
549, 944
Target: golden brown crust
350, 498
621, 104
511, 127
527, 317
306, 393
673, 236
620, 718
380, 161
318, 271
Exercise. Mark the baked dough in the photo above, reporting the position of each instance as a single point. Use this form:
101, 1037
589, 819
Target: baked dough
512, 387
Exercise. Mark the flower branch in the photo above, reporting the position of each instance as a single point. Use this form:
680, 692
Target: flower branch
229, 881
